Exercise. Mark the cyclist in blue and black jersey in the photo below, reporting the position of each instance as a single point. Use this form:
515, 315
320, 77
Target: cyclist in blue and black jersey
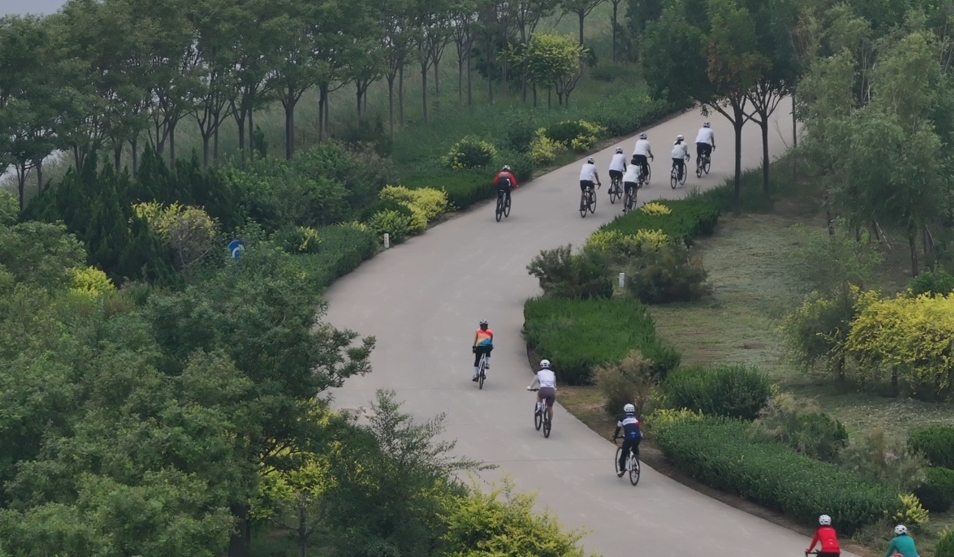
629, 423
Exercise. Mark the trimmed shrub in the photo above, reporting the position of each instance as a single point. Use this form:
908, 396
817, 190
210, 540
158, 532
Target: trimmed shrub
910, 511
470, 153
945, 546
933, 284
688, 219
519, 136
463, 188
297, 239
580, 335
578, 135
394, 223
936, 443
667, 274
730, 391
811, 433
520, 164
937, 493
342, 248
564, 274
544, 150
723, 454
381, 205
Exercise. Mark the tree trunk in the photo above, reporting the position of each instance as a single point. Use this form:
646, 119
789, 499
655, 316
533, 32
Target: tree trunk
290, 128
615, 15
390, 79
21, 169
424, 89
239, 116
534, 95
737, 125
38, 165
765, 153
251, 133
117, 156
172, 143
357, 86
401, 96
135, 154
215, 145
470, 75
582, 16
912, 244
437, 77
238, 543
327, 115
490, 75
504, 75
460, 79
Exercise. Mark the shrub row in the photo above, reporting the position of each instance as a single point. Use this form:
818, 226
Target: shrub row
688, 219
936, 443
463, 187
722, 453
579, 335
730, 391
341, 248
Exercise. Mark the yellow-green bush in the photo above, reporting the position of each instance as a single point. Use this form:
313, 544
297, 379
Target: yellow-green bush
470, 153
396, 225
430, 202
655, 208
89, 281
621, 246
544, 150
913, 338
910, 511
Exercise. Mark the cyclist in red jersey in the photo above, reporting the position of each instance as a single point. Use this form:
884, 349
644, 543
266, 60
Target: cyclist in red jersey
505, 181
826, 537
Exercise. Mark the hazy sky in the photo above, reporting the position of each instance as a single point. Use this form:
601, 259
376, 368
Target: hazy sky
29, 6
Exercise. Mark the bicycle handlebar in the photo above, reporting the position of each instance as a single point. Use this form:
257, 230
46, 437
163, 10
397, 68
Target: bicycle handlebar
534, 390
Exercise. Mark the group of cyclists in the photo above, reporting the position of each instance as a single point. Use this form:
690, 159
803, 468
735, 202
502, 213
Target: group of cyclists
632, 175
628, 424
544, 381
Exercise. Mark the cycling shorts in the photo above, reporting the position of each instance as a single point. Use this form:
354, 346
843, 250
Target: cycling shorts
584, 184
615, 174
548, 394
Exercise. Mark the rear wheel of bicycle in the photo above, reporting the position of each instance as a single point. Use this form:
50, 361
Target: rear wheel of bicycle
614, 192
507, 207
592, 199
633, 469
673, 179
547, 424
685, 174
705, 166
698, 170
499, 212
537, 418
649, 174
619, 451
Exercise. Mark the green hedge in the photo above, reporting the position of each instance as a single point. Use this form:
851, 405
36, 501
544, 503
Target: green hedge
945, 546
937, 493
579, 335
342, 248
690, 218
730, 391
723, 454
463, 187
936, 443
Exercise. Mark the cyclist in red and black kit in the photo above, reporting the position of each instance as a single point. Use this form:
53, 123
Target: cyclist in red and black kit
825, 538
505, 181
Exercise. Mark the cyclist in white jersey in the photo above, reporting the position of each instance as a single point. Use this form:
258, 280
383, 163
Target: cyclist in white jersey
588, 176
617, 165
680, 153
545, 380
642, 153
705, 142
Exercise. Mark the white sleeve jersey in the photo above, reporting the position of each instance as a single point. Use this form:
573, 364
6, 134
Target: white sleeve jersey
643, 148
618, 163
588, 173
547, 378
632, 173
705, 135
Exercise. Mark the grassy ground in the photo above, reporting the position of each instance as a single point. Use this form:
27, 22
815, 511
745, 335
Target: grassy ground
755, 284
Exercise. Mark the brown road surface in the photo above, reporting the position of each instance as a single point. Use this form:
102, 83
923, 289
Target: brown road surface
423, 300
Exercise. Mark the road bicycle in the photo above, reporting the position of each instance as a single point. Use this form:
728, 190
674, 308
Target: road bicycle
481, 371
644, 178
503, 204
589, 202
629, 199
541, 418
674, 175
615, 191
632, 463
702, 164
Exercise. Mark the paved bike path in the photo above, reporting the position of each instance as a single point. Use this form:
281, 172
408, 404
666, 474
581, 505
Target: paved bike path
423, 299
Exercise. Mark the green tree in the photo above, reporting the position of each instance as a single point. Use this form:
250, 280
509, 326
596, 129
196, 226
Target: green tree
553, 62
581, 9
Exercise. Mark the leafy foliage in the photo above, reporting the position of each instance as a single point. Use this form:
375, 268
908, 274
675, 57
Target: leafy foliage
630, 381
936, 443
730, 391
933, 283
564, 274
688, 219
578, 336
470, 153
808, 431
723, 454
666, 274
937, 492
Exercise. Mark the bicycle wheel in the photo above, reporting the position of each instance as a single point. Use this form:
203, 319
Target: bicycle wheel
507, 207
705, 165
616, 460
592, 196
649, 173
685, 174
499, 212
672, 179
537, 418
633, 469
481, 373
547, 424
614, 192
698, 170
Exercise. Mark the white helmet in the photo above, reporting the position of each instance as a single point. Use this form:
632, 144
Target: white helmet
706, 125
629, 409
900, 530
619, 149
679, 138
824, 520
642, 135
590, 160
544, 364
483, 322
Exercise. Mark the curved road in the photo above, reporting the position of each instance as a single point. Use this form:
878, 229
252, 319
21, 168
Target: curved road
423, 299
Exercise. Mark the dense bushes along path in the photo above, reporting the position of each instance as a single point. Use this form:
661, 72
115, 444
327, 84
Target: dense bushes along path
422, 301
